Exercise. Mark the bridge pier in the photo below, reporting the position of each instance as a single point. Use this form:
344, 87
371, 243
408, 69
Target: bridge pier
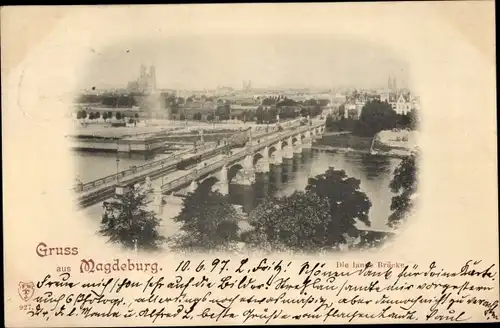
277, 157
307, 143
248, 171
223, 184
223, 188
248, 178
263, 164
288, 152
193, 186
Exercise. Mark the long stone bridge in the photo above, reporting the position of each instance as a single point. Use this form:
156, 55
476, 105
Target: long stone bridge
218, 168
240, 165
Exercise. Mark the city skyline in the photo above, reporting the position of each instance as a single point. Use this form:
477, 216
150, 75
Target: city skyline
198, 63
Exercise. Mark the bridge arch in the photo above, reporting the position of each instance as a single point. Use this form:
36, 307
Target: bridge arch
284, 144
208, 183
257, 157
233, 171
294, 140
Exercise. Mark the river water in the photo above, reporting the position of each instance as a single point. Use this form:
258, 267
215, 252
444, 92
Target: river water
93, 165
374, 172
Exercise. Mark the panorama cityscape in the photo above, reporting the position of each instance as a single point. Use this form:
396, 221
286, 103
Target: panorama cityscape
226, 169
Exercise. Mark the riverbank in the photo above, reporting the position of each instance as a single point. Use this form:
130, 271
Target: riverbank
342, 150
396, 144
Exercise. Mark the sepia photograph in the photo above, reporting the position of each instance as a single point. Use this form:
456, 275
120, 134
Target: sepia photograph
218, 143
250, 164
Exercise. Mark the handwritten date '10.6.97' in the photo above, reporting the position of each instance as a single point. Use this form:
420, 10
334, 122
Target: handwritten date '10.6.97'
267, 291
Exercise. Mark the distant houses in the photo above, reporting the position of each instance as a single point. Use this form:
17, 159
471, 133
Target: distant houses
401, 102
189, 109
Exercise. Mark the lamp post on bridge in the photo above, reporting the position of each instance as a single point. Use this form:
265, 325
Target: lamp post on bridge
117, 169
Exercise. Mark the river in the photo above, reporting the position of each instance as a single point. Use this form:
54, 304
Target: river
374, 172
93, 165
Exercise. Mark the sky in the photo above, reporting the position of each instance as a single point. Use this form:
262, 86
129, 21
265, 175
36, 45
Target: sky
269, 62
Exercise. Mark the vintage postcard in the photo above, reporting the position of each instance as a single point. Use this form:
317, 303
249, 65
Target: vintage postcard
180, 165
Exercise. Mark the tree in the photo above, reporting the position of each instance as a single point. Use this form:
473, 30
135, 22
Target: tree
315, 110
404, 184
375, 117
97, 115
296, 222
182, 117
118, 115
287, 102
105, 116
91, 116
346, 201
268, 102
126, 221
321, 218
342, 110
414, 119
136, 115
209, 222
259, 114
323, 102
408, 120
248, 115
223, 111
